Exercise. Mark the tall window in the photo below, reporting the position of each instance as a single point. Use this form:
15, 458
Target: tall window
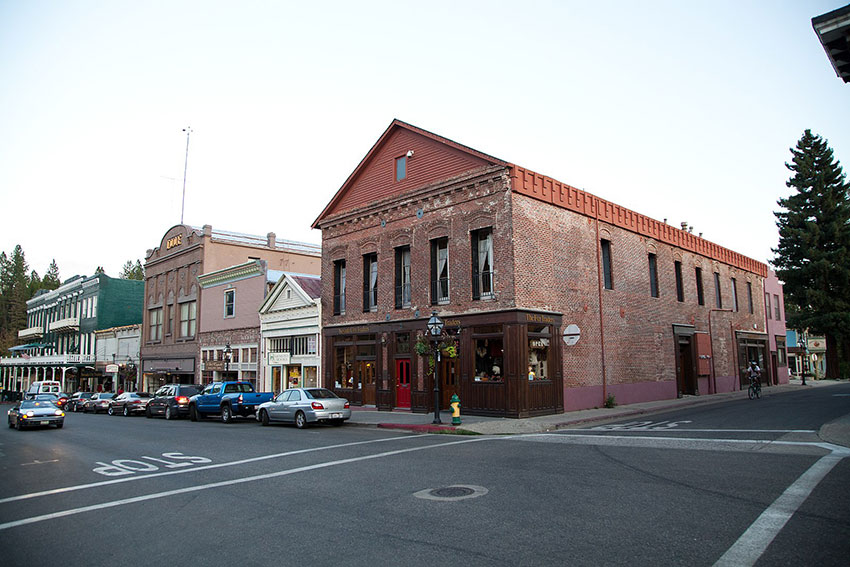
718, 298
750, 296
188, 316
169, 318
156, 324
339, 287
680, 286
370, 282
607, 273
700, 295
402, 277
439, 271
767, 305
229, 303
734, 295
482, 264
653, 275
776, 307
400, 168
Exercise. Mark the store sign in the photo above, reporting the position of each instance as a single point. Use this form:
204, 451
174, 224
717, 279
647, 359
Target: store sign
111, 368
538, 343
174, 241
277, 358
572, 334
214, 365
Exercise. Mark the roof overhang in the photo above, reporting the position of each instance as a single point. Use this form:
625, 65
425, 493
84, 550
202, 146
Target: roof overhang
833, 31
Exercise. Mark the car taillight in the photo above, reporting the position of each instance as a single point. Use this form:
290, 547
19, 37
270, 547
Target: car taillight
240, 398
317, 405
347, 405
181, 400
136, 402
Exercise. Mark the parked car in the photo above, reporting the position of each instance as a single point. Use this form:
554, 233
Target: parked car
63, 400
172, 400
42, 387
98, 402
303, 406
227, 399
29, 413
128, 403
78, 400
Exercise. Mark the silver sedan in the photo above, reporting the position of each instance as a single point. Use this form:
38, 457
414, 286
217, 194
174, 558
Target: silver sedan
35, 412
302, 406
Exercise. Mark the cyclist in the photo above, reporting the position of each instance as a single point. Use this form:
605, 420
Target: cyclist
754, 375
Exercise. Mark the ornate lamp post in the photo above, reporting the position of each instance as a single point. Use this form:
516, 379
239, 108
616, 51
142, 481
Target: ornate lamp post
228, 352
435, 329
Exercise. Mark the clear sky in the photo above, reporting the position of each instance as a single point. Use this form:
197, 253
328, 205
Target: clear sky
678, 110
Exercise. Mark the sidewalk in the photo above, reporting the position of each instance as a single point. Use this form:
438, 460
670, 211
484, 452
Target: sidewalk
422, 423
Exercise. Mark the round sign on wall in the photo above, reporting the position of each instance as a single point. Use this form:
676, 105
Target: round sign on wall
572, 334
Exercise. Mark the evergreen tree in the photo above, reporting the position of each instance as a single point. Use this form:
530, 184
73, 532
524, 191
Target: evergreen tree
34, 284
132, 271
19, 292
99, 270
51, 278
813, 257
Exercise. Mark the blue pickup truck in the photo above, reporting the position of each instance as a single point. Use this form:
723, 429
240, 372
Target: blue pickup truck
227, 399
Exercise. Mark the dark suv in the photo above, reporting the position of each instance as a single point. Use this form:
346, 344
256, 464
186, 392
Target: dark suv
172, 400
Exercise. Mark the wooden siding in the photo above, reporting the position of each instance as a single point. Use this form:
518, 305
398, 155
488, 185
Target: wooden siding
543, 188
432, 161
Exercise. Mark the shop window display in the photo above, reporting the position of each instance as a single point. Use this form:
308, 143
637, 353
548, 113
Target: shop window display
489, 357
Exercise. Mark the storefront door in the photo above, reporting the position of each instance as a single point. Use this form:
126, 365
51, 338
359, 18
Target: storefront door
448, 381
366, 371
402, 383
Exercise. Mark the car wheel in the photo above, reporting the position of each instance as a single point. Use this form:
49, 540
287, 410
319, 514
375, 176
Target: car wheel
264, 417
110, 411
18, 425
300, 420
126, 412
193, 413
168, 413
59, 425
226, 414
148, 413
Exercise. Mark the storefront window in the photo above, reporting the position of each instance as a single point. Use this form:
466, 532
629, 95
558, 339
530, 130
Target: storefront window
310, 377
489, 354
344, 376
538, 353
402, 344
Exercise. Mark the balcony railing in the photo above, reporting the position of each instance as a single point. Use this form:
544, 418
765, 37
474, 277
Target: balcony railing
31, 333
49, 360
65, 325
440, 291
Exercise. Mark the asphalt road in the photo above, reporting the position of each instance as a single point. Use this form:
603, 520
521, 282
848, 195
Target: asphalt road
736, 483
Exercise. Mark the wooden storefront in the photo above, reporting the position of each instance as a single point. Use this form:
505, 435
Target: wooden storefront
508, 364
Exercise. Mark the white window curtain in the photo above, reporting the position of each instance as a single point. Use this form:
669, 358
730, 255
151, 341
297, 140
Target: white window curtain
443, 272
405, 277
485, 263
373, 284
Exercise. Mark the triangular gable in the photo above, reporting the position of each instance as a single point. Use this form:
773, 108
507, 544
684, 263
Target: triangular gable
277, 300
434, 158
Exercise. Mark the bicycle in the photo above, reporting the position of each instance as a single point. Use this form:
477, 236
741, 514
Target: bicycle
754, 391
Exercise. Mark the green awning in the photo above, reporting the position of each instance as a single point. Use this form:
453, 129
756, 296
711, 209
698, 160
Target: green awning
29, 346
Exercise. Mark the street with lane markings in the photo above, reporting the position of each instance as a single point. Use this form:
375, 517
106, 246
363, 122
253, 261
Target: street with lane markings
738, 483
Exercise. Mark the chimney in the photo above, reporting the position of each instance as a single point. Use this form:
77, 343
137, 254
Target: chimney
207, 230
272, 239
685, 226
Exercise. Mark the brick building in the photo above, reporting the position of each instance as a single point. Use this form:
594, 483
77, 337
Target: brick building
513, 261
173, 303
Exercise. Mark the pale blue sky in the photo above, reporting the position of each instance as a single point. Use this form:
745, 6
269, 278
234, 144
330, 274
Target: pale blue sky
678, 110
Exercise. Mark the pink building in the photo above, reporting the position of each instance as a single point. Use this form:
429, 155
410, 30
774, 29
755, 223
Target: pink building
774, 308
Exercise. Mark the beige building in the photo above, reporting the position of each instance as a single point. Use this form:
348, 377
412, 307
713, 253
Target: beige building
170, 349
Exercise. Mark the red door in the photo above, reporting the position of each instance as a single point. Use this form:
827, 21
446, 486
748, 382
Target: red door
402, 383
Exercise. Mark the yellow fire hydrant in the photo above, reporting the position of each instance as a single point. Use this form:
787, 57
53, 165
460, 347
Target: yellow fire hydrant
455, 410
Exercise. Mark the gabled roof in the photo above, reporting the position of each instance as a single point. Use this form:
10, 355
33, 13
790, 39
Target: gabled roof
833, 31
395, 126
307, 287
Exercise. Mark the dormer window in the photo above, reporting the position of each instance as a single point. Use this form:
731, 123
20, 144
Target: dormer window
400, 168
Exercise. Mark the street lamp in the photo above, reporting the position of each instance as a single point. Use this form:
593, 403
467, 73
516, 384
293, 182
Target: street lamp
435, 329
227, 354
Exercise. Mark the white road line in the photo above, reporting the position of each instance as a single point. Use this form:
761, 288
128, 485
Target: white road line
114, 503
753, 543
195, 469
674, 429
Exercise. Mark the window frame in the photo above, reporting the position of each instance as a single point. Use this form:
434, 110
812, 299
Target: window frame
607, 264
400, 173
188, 320
718, 294
231, 304
734, 294
480, 277
680, 284
402, 277
653, 275
440, 285
339, 287
700, 289
370, 282
155, 323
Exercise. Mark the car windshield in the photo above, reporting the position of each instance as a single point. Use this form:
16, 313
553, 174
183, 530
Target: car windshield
188, 390
319, 393
141, 395
30, 405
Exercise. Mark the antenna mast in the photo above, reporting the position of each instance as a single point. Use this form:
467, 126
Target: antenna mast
188, 131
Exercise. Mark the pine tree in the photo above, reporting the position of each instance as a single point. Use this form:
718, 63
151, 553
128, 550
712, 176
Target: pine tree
51, 278
813, 257
132, 271
19, 293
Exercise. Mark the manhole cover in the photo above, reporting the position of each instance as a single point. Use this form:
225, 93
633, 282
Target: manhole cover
451, 493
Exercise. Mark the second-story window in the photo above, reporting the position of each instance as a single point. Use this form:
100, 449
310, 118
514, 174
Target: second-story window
718, 296
734, 295
750, 296
339, 287
156, 324
400, 168
402, 277
229, 303
188, 317
439, 271
370, 282
607, 268
700, 295
680, 286
653, 275
482, 264
767, 309
776, 307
